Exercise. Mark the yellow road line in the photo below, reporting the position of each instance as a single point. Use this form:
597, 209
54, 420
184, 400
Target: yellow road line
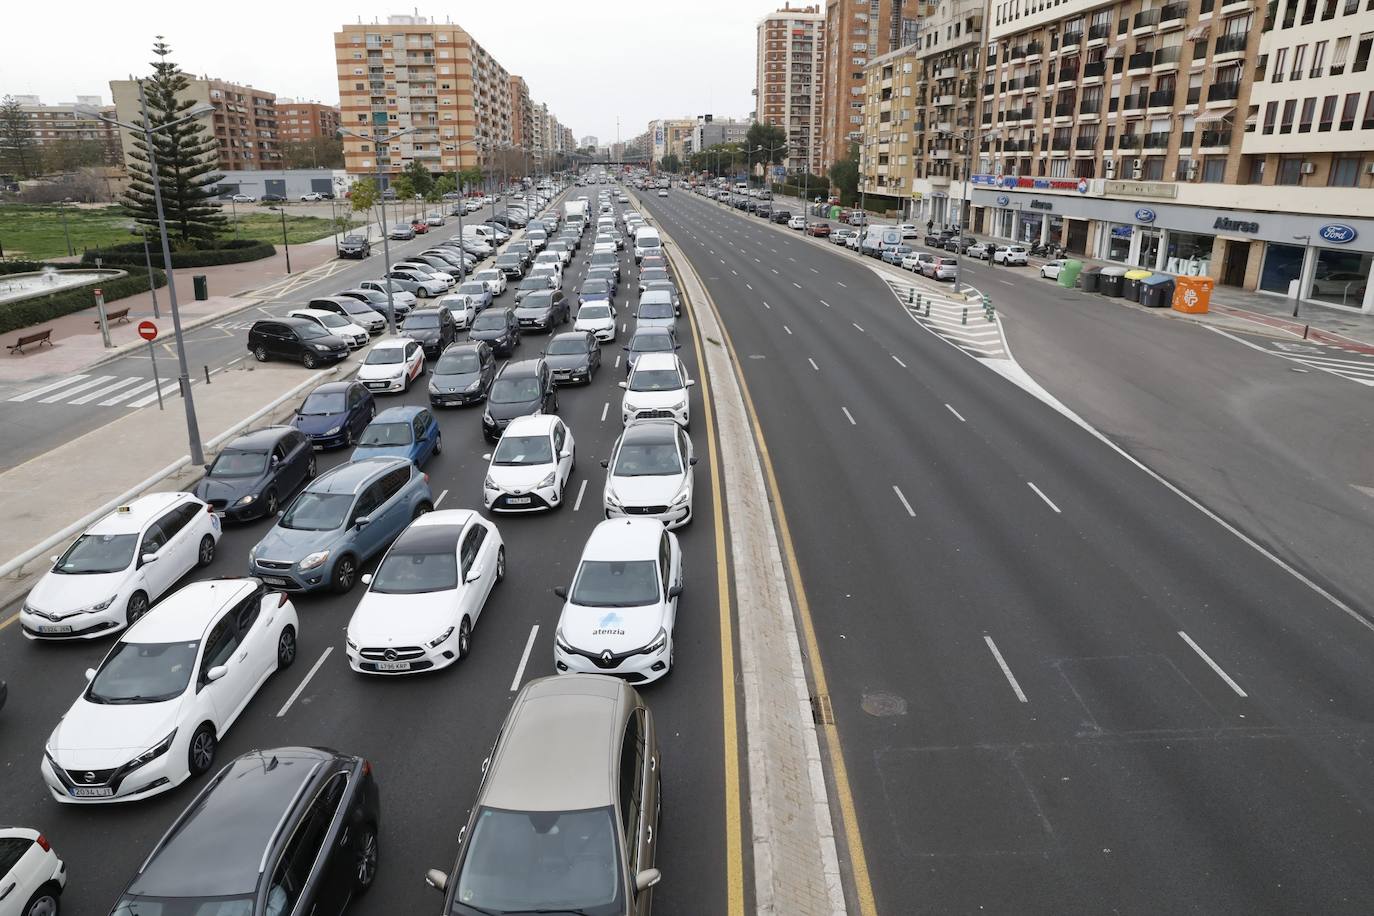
9, 620
863, 885
734, 825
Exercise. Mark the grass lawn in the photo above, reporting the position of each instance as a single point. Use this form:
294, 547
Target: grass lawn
34, 232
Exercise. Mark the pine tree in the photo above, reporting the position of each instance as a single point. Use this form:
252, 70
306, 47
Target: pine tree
187, 160
17, 153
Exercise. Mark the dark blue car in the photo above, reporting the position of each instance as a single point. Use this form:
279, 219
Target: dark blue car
401, 432
335, 413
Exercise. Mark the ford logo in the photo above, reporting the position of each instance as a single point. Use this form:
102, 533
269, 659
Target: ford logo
1144, 215
1338, 233
1003, 200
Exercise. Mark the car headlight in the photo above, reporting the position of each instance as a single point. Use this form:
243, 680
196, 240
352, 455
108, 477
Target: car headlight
333, 431
152, 753
442, 637
474, 386
321, 347
612, 499
659, 643
546, 482
353, 646
91, 609
486, 418
561, 642
681, 497
490, 484
246, 500
315, 559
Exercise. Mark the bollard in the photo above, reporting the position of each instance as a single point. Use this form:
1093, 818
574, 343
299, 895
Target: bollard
911, 295
964, 319
918, 299
207, 374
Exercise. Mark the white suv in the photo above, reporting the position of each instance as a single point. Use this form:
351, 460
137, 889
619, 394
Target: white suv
657, 389
113, 573
618, 614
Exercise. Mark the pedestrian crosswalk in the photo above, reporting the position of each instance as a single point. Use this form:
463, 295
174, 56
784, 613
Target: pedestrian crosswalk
1355, 365
99, 390
965, 325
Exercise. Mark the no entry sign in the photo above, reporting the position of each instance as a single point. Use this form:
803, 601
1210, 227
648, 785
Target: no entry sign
147, 330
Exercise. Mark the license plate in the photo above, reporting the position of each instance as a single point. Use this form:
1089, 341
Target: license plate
54, 628
274, 580
92, 792
219, 513
393, 666
319, 448
517, 500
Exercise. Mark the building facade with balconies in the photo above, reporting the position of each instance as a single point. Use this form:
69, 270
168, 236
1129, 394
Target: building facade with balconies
788, 88
244, 123
300, 121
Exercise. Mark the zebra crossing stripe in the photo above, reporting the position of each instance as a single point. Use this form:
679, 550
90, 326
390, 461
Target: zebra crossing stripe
68, 392
169, 389
125, 395
49, 387
101, 392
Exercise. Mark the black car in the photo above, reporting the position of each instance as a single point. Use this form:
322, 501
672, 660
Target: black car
573, 356
936, 239
498, 328
649, 340
354, 246
257, 472
434, 328
462, 375
607, 260
273, 198
335, 413
782, 216
542, 310
297, 339
960, 243
284, 830
512, 264
521, 388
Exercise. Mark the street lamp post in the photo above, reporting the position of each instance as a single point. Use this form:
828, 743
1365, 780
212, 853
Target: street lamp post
1297, 284
65, 201
148, 259
285, 243
378, 143
768, 164
184, 379
463, 258
966, 137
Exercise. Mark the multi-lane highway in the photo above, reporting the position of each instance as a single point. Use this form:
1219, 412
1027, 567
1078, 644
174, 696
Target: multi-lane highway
1058, 686
426, 735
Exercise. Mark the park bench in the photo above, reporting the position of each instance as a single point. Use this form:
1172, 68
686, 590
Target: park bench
116, 315
37, 337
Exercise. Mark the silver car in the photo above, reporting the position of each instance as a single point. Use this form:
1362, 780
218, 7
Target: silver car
656, 310
565, 818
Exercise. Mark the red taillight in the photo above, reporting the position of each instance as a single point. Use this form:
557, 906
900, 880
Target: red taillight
43, 843
426, 477
281, 599
367, 767
209, 508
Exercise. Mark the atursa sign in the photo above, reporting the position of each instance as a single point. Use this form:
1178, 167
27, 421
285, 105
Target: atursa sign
1235, 225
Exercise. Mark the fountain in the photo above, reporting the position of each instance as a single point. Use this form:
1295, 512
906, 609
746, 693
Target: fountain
15, 287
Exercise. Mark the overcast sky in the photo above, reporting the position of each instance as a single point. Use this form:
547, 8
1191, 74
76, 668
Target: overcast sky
589, 61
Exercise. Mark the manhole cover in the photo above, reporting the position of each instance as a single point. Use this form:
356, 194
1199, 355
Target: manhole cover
883, 704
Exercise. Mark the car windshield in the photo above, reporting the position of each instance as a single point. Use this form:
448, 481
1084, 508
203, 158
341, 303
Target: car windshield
421, 322
541, 862
513, 451
603, 258
144, 905
402, 226
653, 459
381, 356
566, 346
596, 288
472, 289
540, 299
490, 321
651, 343
355, 307
93, 554
536, 283
144, 673
615, 583
311, 332
655, 380
493, 275
383, 434
655, 310
514, 390
332, 320
403, 573
354, 239
455, 363
321, 404
233, 463
594, 311
313, 511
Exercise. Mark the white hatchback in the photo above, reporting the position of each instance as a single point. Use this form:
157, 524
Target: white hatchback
797, 222
657, 389
392, 364
113, 573
31, 875
154, 711
596, 317
461, 307
333, 323
619, 613
530, 466
494, 279
426, 595
649, 473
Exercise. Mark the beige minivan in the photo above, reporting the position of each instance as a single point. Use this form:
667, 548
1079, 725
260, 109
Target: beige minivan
567, 809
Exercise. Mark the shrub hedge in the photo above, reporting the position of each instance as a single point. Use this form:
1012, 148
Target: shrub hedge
28, 312
230, 251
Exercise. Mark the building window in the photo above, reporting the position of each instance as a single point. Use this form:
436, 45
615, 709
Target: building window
1289, 107
1352, 104
1339, 55
1318, 59
1271, 111
1255, 170
1290, 171
1345, 172
1309, 110
1362, 52
1280, 58
1299, 54
1214, 169
1154, 168
1328, 112
1368, 113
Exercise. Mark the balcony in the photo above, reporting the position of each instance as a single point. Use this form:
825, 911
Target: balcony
1145, 21
1061, 144
1216, 138
944, 101
1172, 15
1163, 98
1090, 107
991, 61
1094, 71
1167, 58
1034, 49
989, 88
1223, 92
1064, 109
940, 154
947, 73
1128, 143
1157, 140
1067, 74
1016, 54
1070, 39
1194, 95
1099, 32
1140, 62
1135, 101
1230, 44
1086, 143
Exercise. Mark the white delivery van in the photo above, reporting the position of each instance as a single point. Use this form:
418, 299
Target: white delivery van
646, 240
878, 238
482, 233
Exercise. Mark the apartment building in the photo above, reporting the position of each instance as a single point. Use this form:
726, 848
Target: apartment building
522, 113
297, 121
856, 33
711, 131
671, 136
244, 123
414, 72
920, 112
49, 124
590, 140
790, 60
1135, 132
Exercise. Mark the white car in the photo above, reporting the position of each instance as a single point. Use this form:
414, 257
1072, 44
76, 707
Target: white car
154, 711
462, 307
426, 595
657, 389
114, 572
334, 323
797, 222
551, 258
914, 260
312, 197
596, 317
662, 192
618, 615
531, 465
421, 270
942, 269
649, 473
493, 278
909, 230
599, 246
1050, 269
977, 250
244, 198
392, 364
31, 874
1012, 255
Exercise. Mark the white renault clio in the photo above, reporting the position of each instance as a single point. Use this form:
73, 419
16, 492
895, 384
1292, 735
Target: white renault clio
155, 710
657, 389
113, 573
618, 615
426, 596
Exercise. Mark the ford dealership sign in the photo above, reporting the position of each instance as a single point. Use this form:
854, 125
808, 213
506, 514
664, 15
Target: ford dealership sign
1339, 233
1144, 215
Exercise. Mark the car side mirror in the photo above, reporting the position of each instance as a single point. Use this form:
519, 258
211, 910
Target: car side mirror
147, 558
674, 591
473, 576
216, 673
691, 382
692, 461
436, 879
624, 385
561, 592
365, 578
90, 674
362, 522
207, 467
605, 463
647, 879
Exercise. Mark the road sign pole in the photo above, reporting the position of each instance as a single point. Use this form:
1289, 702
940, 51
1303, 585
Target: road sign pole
100, 313
157, 382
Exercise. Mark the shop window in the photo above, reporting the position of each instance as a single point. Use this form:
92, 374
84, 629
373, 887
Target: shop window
1189, 253
1214, 169
1345, 172
1282, 265
1289, 171
1340, 277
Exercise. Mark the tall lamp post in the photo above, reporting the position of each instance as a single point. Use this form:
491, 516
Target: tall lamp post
285, 243
966, 137
184, 379
378, 144
462, 271
65, 201
768, 164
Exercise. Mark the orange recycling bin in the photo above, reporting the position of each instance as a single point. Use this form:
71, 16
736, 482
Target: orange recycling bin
1193, 294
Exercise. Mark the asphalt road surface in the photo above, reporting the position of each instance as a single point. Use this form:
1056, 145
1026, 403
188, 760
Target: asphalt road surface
425, 735
1059, 687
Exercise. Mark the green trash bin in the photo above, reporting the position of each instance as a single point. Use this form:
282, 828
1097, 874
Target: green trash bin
1068, 273
201, 286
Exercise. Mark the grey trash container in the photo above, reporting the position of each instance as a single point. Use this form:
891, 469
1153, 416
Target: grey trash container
1087, 280
1157, 291
201, 286
1109, 281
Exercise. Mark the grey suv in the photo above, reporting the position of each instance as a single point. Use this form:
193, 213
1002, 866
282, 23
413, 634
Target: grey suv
565, 818
338, 522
